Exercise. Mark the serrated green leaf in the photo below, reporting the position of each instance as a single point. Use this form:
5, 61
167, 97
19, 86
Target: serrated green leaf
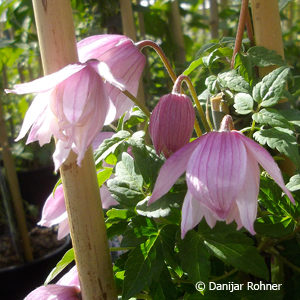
127, 185
281, 139
109, 145
243, 64
243, 257
271, 117
161, 208
60, 266
140, 267
233, 81
194, 257
210, 82
243, 103
269, 91
294, 184
262, 57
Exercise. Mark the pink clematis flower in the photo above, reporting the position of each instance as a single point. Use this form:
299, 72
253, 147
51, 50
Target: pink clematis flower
172, 123
72, 105
124, 59
67, 288
54, 210
222, 174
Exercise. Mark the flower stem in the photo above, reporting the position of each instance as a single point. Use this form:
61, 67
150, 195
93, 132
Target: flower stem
224, 275
159, 51
137, 103
188, 81
241, 27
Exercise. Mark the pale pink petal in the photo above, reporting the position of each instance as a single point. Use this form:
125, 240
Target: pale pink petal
172, 169
192, 213
34, 111
47, 82
63, 227
54, 292
54, 208
100, 137
70, 279
94, 46
247, 199
216, 171
264, 158
234, 215
106, 198
60, 154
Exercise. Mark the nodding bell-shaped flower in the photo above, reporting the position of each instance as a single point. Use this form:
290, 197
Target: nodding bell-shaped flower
54, 210
222, 174
172, 123
72, 105
123, 58
67, 288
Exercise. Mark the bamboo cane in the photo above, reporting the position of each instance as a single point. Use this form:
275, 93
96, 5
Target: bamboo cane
14, 188
88, 232
129, 30
267, 28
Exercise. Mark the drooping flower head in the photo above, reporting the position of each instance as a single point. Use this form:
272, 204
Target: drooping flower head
171, 123
124, 59
74, 103
222, 174
67, 288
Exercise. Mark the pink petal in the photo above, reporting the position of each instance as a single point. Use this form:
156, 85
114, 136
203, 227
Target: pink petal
63, 227
60, 154
247, 199
70, 279
54, 292
100, 137
192, 213
264, 158
34, 111
172, 169
46, 83
54, 208
216, 171
106, 198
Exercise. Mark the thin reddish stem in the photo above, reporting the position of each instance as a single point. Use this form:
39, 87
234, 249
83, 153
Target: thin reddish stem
240, 31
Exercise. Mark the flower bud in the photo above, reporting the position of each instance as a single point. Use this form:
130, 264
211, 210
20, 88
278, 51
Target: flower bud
171, 123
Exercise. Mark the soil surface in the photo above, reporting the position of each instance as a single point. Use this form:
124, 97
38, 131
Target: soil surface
43, 241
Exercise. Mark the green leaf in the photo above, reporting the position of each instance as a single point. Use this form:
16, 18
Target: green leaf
271, 117
243, 64
281, 139
262, 57
194, 257
243, 103
161, 208
269, 91
283, 4
64, 262
195, 64
136, 117
108, 146
127, 185
233, 81
243, 257
292, 115
103, 175
294, 183
211, 82
140, 267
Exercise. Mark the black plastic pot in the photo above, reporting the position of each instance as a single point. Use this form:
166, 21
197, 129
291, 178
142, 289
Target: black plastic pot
16, 282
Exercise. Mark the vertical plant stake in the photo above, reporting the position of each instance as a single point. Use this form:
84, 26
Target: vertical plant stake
88, 232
